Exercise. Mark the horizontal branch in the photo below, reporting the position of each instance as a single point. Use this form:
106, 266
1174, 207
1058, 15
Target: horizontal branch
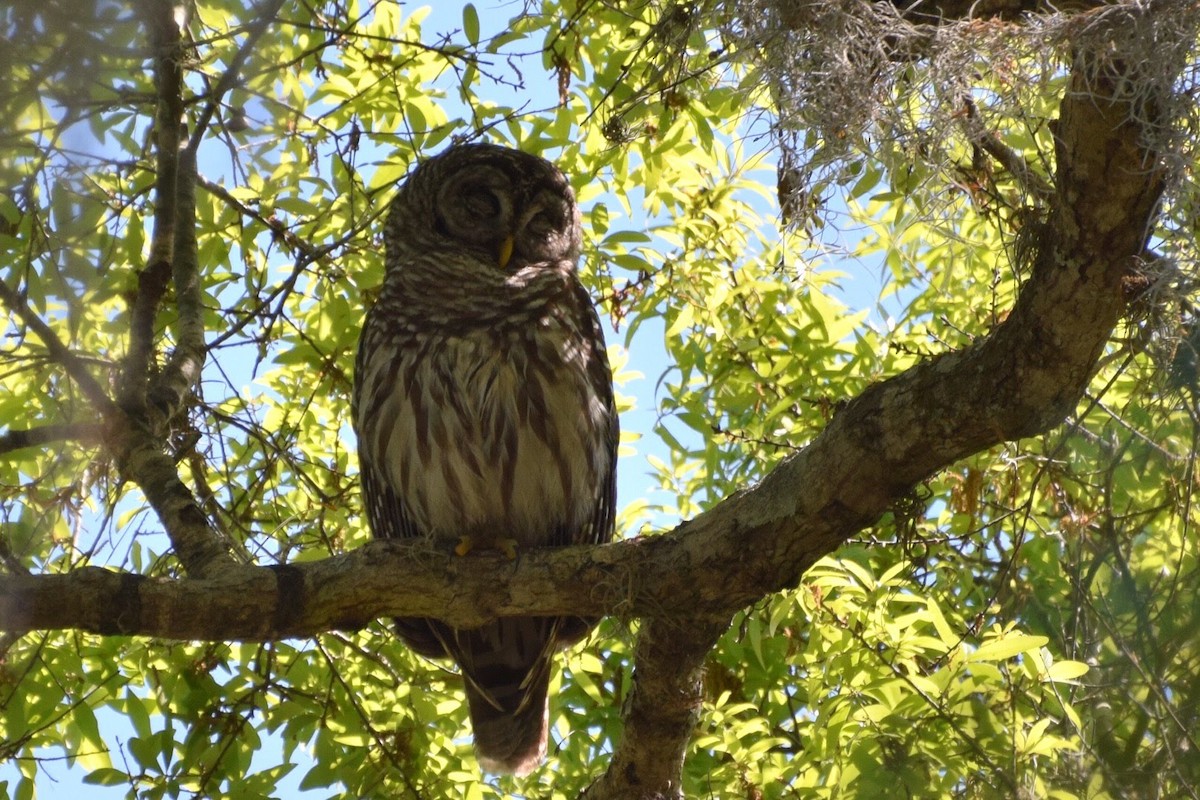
89, 432
348, 591
936, 12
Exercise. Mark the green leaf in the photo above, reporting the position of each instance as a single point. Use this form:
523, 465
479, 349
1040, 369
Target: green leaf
106, 776
1065, 671
1006, 647
471, 23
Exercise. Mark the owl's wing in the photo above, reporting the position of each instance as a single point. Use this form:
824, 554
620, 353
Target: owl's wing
388, 514
390, 520
599, 528
374, 379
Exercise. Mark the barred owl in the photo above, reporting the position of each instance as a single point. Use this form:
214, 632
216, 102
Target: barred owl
483, 405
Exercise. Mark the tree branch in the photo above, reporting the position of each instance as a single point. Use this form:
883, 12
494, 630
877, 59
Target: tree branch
935, 12
662, 710
348, 591
1012, 161
90, 432
195, 542
926, 16
165, 37
182, 371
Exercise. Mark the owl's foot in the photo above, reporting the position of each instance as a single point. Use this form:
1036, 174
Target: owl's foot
506, 546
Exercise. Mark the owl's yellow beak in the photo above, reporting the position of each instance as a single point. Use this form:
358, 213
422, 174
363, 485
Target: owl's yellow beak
506, 251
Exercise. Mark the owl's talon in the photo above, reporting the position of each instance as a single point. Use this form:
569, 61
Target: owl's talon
508, 547
465, 545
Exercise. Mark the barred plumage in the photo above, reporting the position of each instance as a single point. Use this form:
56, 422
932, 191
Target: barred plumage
484, 408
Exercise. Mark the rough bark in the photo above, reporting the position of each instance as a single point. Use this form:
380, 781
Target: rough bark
167, 43
940, 11
662, 709
42, 435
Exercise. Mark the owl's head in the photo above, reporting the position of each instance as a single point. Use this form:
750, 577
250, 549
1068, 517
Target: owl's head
508, 208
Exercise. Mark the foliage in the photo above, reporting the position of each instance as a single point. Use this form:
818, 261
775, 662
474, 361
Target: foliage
1026, 625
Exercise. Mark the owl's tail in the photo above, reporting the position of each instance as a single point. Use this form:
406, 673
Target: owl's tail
507, 669
508, 741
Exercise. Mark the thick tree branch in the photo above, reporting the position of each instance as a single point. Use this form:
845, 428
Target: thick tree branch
140, 458
662, 710
182, 371
89, 432
167, 42
925, 16
348, 591
934, 12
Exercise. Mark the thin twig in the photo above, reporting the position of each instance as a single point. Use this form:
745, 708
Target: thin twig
1012, 161
264, 17
59, 352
